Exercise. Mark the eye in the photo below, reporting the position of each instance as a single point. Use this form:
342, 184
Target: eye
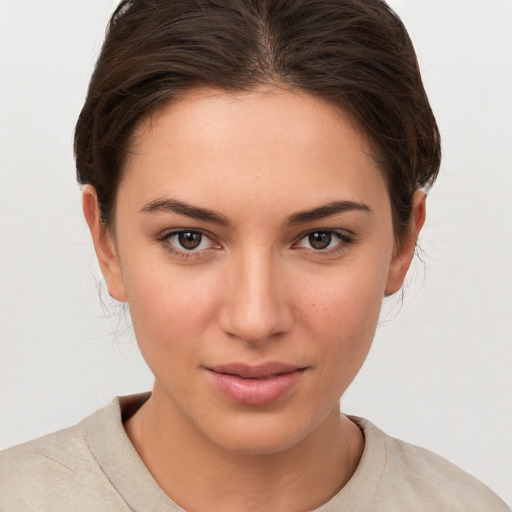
187, 241
324, 240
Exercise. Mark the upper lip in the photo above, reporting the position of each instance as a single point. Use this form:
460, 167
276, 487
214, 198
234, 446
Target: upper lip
248, 371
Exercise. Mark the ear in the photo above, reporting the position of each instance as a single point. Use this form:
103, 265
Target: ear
404, 251
104, 245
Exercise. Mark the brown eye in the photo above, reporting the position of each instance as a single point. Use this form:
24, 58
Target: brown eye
328, 241
320, 239
190, 239
186, 243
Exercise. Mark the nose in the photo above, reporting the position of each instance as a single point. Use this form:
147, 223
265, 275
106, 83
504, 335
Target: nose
256, 306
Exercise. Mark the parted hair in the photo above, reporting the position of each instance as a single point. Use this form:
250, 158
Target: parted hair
356, 54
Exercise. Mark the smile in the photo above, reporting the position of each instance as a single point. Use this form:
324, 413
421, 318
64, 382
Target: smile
255, 385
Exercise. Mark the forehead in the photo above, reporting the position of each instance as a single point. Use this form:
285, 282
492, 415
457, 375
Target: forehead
271, 111
263, 144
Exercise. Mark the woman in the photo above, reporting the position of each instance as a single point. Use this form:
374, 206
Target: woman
254, 185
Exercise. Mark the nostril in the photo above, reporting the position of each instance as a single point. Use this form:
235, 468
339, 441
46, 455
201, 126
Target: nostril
257, 329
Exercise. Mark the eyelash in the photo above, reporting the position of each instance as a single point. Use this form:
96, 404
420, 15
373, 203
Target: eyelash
344, 241
184, 254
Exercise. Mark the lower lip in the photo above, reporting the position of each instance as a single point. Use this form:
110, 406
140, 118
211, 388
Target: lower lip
256, 391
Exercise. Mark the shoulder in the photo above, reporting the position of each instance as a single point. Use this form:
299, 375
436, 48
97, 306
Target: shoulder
65, 449
411, 475
56, 472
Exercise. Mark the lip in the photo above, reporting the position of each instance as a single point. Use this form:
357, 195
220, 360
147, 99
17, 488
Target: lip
255, 385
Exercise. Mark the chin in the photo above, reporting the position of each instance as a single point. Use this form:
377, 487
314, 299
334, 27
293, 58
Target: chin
258, 444
261, 434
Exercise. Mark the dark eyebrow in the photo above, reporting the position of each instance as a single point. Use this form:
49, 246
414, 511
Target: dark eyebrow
327, 210
195, 212
187, 210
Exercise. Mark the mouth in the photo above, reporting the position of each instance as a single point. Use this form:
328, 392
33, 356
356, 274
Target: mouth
255, 385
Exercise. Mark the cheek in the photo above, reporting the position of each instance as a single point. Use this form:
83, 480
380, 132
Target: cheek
350, 298
169, 307
343, 313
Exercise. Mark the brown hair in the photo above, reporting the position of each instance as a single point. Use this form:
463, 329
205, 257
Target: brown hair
354, 53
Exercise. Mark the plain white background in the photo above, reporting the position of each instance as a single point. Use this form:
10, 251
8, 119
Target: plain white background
439, 374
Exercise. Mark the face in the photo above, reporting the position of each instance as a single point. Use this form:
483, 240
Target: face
254, 245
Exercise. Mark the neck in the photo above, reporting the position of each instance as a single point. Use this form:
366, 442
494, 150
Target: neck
200, 475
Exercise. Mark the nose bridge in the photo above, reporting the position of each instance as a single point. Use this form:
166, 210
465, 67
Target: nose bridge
255, 307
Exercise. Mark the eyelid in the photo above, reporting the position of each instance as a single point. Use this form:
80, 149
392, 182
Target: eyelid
167, 233
343, 233
165, 236
344, 237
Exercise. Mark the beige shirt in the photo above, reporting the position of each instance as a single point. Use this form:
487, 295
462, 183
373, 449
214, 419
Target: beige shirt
93, 467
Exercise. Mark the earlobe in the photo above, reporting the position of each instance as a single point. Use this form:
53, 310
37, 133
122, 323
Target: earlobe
104, 245
404, 252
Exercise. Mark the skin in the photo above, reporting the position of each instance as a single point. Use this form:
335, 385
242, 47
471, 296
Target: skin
254, 291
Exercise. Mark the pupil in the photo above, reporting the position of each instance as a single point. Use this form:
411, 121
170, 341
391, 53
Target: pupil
190, 240
320, 240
